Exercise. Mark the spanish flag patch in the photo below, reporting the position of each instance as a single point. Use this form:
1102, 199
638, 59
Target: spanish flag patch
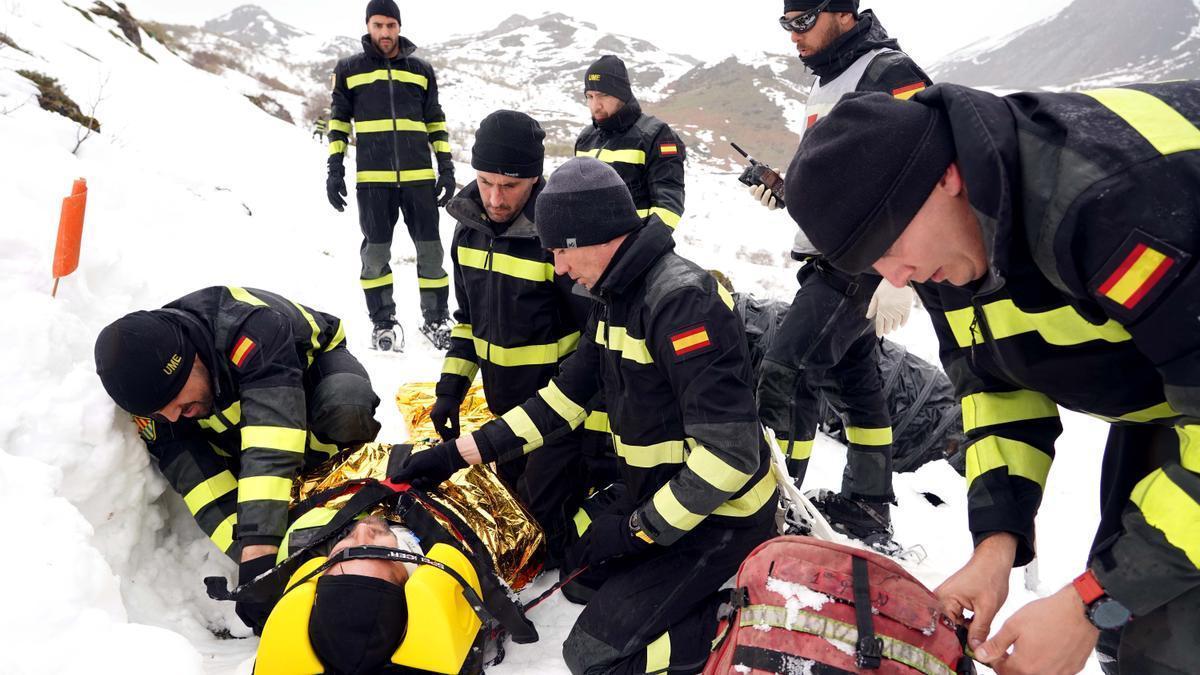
908, 91
242, 350
690, 341
1139, 271
667, 149
145, 427
812, 119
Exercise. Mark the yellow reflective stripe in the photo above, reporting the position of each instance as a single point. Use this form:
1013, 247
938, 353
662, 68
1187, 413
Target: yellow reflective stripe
391, 176
869, 436
986, 409
441, 146
218, 449
725, 295
650, 456
337, 147
385, 280
330, 449
316, 332
672, 511
338, 125
1021, 459
1155, 412
242, 295
1160, 124
520, 423
272, 488
383, 74
795, 449
434, 127
610, 156
233, 413
560, 403
754, 499
582, 521
274, 438
1061, 326
378, 126
209, 491
526, 355
1170, 510
1189, 447
631, 348
461, 330
666, 215
223, 535
444, 282
715, 471
658, 654
597, 420
213, 422
456, 366
521, 268
338, 337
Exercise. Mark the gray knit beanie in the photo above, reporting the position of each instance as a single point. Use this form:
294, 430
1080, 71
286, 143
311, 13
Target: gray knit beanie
584, 203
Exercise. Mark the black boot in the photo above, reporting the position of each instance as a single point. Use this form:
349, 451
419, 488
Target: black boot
864, 520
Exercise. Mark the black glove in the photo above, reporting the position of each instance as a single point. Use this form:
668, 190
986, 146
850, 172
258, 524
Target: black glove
445, 416
335, 186
608, 536
254, 610
430, 468
443, 189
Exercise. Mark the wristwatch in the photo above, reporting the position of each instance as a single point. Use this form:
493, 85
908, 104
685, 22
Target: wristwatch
1104, 612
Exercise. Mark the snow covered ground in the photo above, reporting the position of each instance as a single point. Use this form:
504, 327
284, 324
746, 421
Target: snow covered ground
191, 185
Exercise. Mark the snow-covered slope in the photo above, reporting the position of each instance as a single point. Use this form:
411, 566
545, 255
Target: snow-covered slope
1090, 43
192, 185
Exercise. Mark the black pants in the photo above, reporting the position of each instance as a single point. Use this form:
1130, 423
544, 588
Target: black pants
378, 210
826, 345
657, 611
1165, 640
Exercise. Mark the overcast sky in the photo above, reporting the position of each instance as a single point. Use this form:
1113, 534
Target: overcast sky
927, 29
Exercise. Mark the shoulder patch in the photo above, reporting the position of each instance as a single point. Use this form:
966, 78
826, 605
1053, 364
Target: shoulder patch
1141, 269
691, 341
908, 91
145, 427
668, 149
243, 347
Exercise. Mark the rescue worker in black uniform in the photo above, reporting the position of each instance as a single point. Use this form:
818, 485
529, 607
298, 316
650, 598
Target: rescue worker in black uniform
235, 391
516, 319
647, 155
668, 351
1053, 238
827, 343
392, 97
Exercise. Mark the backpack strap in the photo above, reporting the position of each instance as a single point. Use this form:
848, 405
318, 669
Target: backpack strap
870, 647
772, 661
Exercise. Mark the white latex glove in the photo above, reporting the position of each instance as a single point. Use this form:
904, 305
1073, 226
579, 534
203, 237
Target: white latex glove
764, 196
890, 307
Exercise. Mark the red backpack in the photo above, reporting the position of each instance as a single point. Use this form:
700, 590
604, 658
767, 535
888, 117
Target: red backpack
804, 605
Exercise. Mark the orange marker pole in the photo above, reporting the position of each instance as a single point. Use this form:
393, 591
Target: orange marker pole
70, 233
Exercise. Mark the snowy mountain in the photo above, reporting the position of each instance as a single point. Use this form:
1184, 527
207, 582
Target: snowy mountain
531, 64
1088, 44
190, 185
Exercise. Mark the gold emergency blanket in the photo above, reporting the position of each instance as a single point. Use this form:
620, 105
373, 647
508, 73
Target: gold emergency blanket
476, 495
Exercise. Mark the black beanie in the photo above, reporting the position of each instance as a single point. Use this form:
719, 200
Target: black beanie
608, 75
584, 203
833, 6
357, 622
863, 171
144, 360
383, 8
509, 143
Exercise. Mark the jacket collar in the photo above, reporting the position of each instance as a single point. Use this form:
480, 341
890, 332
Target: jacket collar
625, 117
406, 48
636, 255
467, 208
866, 35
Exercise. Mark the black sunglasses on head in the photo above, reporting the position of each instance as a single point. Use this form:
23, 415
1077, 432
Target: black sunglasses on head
802, 23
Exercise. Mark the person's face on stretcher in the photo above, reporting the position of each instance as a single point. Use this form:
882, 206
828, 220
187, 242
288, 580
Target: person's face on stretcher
370, 531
